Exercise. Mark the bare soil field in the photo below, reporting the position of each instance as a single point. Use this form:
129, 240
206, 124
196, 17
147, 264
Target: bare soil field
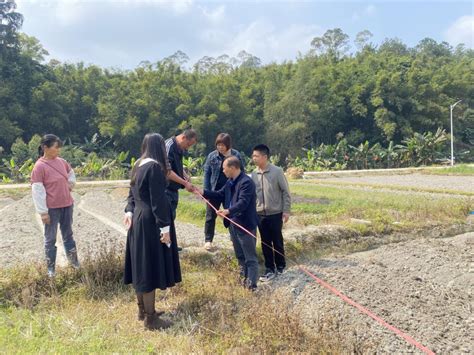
421, 285
98, 216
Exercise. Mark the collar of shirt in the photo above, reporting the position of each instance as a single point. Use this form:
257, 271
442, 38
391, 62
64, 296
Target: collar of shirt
178, 149
234, 181
261, 171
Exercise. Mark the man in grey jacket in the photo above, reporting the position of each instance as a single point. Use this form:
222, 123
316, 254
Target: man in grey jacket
273, 209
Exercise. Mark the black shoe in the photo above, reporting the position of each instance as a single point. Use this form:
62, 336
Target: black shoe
72, 258
154, 322
280, 270
180, 249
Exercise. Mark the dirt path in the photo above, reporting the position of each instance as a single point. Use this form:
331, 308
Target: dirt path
98, 221
108, 206
21, 238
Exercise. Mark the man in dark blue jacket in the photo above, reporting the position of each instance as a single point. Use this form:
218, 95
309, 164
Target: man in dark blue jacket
215, 179
239, 200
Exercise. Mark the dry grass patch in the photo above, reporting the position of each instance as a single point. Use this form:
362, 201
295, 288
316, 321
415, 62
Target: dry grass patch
92, 311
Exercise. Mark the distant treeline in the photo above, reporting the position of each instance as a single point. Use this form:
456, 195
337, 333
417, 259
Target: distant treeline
381, 93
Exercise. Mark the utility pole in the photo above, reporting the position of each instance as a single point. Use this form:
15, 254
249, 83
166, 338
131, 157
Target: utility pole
452, 135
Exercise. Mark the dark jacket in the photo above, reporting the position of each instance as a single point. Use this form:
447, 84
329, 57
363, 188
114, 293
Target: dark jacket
239, 197
175, 158
212, 168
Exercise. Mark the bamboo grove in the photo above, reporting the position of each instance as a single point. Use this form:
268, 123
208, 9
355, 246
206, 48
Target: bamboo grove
340, 99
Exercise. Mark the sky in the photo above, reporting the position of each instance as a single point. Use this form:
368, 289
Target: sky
123, 33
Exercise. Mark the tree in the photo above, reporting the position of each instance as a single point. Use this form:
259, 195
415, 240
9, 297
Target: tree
380, 95
32, 48
334, 43
362, 39
247, 60
10, 23
430, 47
423, 148
179, 58
394, 46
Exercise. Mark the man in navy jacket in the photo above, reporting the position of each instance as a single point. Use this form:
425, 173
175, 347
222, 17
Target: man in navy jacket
239, 200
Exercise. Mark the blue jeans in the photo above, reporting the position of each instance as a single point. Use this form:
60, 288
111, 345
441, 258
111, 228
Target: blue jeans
246, 254
63, 217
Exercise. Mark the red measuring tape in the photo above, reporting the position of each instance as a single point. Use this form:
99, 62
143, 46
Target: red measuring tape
331, 288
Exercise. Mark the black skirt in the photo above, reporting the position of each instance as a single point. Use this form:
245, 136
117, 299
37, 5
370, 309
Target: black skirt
150, 264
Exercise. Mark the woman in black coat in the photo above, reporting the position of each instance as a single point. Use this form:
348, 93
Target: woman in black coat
151, 259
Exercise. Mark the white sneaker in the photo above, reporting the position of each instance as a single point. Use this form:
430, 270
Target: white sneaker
208, 246
51, 272
269, 275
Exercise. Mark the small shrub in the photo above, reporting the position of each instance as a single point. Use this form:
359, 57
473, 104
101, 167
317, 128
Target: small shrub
295, 173
16, 172
20, 150
73, 155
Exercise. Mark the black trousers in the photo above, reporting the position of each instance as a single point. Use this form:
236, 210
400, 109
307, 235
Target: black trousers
272, 237
210, 225
173, 199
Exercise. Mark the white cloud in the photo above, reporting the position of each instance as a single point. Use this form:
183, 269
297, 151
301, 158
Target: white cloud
179, 6
355, 16
264, 40
214, 36
214, 16
65, 12
461, 31
69, 12
368, 11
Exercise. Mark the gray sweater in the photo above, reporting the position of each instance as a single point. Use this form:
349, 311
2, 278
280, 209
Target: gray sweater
273, 194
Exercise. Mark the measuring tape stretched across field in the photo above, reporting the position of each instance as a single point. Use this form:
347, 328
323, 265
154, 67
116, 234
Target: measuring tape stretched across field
331, 288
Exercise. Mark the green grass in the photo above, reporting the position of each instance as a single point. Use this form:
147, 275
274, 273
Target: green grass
14, 193
461, 169
192, 209
387, 211
394, 188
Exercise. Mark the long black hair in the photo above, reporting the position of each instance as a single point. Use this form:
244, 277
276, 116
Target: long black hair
48, 140
153, 146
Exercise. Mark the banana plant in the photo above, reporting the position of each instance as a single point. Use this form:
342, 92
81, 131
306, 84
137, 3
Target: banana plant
15, 172
194, 165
